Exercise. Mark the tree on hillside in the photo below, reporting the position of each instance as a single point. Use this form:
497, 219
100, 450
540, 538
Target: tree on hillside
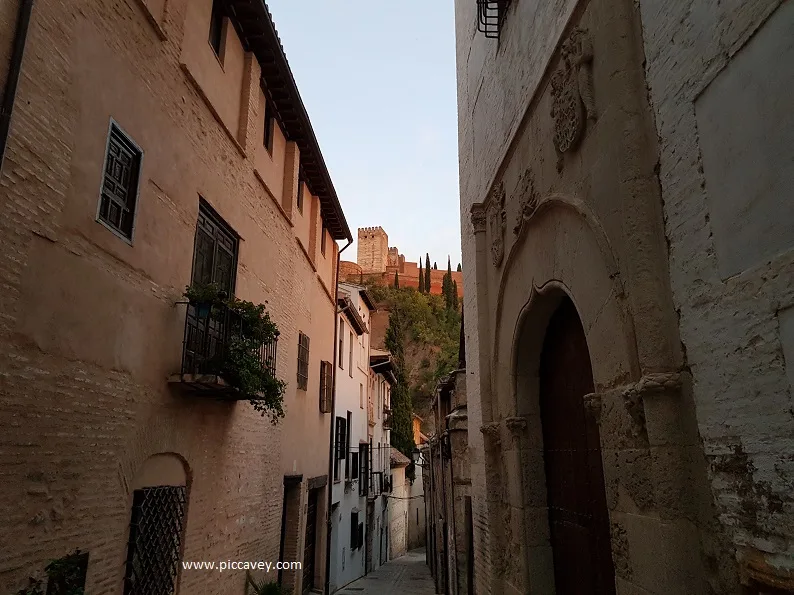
427, 272
459, 268
454, 295
435, 266
396, 280
421, 278
402, 437
448, 287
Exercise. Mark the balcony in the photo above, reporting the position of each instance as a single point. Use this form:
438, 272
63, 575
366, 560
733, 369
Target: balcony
386, 418
210, 333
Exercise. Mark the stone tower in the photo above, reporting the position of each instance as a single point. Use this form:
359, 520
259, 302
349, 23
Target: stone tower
373, 249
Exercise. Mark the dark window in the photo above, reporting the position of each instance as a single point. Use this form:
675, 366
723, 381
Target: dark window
348, 424
120, 183
360, 534
303, 361
326, 386
216, 27
350, 357
323, 233
354, 529
67, 575
155, 544
363, 462
341, 444
301, 182
215, 258
269, 126
353, 465
341, 344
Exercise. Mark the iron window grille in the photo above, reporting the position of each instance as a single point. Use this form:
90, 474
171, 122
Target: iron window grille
326, 386
209, 334
155, 543
323, 240
490, 16
119, 196
303, 361
348, 425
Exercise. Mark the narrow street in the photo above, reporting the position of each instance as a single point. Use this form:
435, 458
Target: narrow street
408, 575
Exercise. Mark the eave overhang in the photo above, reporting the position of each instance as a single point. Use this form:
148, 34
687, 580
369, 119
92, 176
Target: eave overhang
254, 24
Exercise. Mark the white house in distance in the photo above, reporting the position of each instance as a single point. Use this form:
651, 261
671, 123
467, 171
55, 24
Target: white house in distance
350, 481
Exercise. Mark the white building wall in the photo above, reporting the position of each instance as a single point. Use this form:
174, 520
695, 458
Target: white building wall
347, 563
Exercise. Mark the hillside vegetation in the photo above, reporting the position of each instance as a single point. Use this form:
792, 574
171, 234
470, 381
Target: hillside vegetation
425, 329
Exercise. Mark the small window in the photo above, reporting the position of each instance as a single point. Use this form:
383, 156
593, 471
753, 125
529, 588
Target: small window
119, 196
303, 361
361, 396
354, 530
326, 386
348, 424
301, 182
340, 445
217, 21
350, 362
323, 234
155, 542
269, 127
341, 345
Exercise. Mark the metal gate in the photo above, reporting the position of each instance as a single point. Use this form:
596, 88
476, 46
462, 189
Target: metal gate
309, 543
578, 516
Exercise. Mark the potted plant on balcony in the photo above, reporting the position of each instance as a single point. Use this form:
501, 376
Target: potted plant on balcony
239, 361
204, 296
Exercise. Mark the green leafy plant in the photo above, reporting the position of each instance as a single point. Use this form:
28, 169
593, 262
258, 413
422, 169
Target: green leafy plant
239, 363
65, 576
264, 588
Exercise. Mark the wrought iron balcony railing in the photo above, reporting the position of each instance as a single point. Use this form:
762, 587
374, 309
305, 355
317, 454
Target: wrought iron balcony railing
490, 15
209, 332
387, 415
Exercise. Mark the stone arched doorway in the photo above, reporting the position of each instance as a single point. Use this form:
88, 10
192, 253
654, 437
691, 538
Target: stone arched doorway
576, 497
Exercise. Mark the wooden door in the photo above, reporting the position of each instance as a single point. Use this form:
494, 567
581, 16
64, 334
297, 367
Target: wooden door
309, 543
578, 516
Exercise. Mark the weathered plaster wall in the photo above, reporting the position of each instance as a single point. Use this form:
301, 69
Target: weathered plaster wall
721, 81
588, 223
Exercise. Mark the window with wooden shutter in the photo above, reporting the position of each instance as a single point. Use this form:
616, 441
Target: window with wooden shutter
363, 480
303, 361
326, 386
353, 465
119, 196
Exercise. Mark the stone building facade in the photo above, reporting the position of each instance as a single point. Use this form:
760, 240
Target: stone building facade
612, 295
142, 158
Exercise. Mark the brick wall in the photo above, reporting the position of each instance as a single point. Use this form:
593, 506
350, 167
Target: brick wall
89, 330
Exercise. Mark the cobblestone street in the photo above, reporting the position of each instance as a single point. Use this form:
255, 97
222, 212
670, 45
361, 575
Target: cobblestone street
408, 575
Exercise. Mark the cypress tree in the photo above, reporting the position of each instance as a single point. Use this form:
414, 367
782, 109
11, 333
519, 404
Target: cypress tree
454, 295
459, 268
448, 285
427, 272
435, 266
421, 278
396, 280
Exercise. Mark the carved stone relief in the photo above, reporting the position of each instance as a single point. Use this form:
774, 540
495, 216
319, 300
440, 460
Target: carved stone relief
497, 219
478, 217
573, 101
528, 199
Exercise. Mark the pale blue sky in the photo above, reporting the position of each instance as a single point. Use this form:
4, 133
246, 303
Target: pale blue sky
378, 80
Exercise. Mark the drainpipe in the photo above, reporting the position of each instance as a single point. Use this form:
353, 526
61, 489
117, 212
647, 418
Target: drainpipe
329, 521
14, 70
